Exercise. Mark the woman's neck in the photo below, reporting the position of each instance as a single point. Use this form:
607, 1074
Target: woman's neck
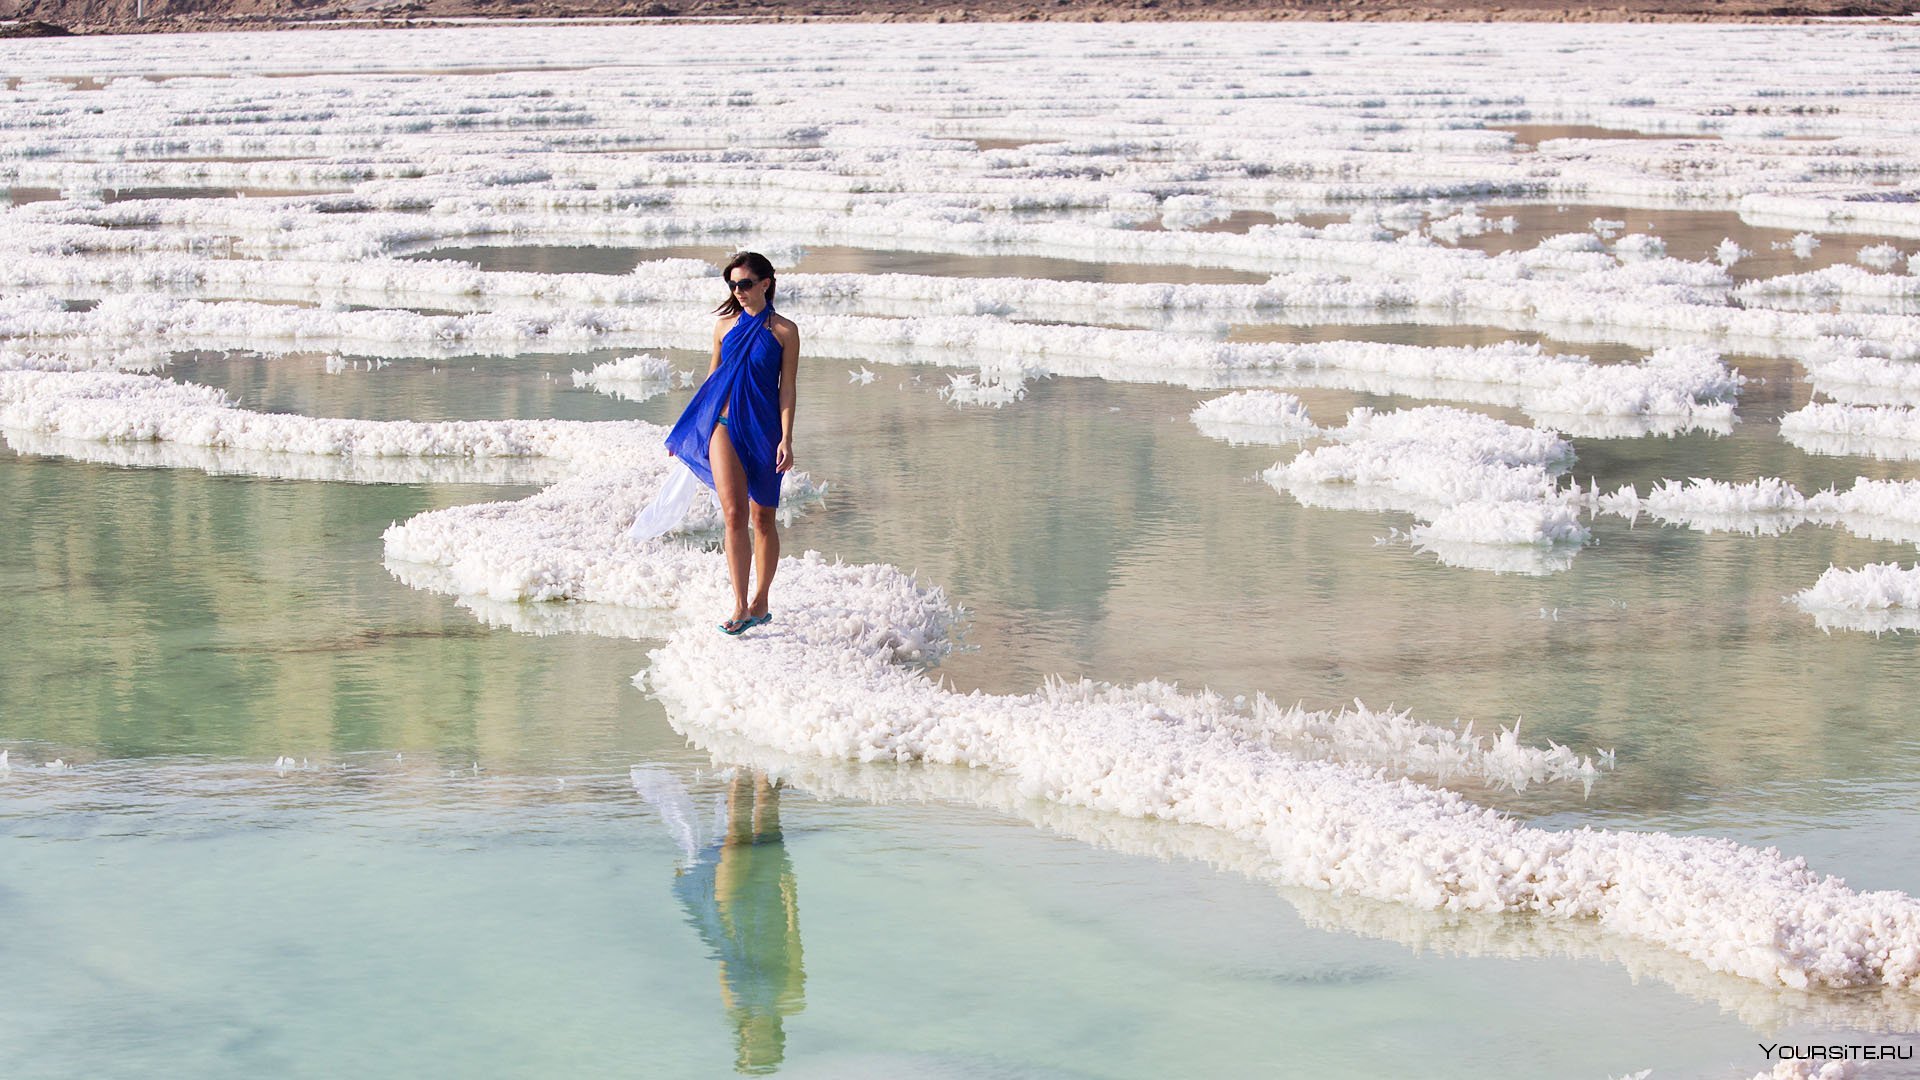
752, 310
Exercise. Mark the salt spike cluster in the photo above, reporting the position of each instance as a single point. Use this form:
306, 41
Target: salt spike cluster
988, 386
1881, 432
1880, 256
1858, 379
1838, 280
332, 468
1875, 598
1394, 740
1872, 509
5, 765
1255, 417
635, 378
1475, 481
1466, 222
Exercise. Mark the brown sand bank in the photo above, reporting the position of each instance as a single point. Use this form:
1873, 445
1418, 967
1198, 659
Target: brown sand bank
118, 16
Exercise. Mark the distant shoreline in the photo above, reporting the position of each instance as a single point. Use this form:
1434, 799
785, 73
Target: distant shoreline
98, 17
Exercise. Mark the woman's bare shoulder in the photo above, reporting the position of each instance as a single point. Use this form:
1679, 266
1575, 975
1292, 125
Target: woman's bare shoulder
784, 326
721, 325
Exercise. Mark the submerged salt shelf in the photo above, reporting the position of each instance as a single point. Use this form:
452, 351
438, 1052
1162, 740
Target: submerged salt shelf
1003, 227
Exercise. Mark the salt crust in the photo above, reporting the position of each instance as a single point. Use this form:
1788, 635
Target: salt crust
1265, 417
1872, 509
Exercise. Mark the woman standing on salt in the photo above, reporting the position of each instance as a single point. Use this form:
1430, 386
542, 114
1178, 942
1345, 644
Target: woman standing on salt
737, 433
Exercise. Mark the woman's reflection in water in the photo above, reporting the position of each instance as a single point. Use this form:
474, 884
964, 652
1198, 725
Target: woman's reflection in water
740, 896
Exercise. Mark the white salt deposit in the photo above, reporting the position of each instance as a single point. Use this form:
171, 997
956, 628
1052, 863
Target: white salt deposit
123, 408
840, 162
1477, 482
1266, 417
1881, 432
1876, 598
995, 387
1880, 256
635, 378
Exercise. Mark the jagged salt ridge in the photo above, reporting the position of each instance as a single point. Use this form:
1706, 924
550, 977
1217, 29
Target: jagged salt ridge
1881, 432
1875, 598
1859, 379
1872, 509
1265, 417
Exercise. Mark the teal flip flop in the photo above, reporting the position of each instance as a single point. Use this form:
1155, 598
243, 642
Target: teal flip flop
736, 627
757, 620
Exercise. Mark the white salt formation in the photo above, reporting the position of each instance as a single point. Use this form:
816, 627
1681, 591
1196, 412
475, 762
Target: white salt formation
1475, 482
635, 378
1875, 598
1255, 416
1197, 192
1882, 432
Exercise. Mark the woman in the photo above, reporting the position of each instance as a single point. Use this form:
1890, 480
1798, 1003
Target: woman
737, 432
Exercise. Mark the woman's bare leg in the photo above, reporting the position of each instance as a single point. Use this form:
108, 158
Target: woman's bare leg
730, 484
766, 555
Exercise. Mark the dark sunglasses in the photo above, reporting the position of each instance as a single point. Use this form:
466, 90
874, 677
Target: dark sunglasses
743, 283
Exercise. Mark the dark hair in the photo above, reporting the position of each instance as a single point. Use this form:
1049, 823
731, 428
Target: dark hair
756, 264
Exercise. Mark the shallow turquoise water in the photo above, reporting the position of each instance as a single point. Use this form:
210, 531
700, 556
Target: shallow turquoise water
461, 876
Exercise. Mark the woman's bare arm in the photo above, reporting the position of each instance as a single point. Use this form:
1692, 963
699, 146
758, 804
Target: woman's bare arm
789, 339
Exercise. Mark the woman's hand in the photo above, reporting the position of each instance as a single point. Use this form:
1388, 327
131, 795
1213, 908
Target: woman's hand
783, 456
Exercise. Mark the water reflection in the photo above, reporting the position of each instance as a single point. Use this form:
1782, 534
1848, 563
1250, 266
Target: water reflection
830, 259
740, 895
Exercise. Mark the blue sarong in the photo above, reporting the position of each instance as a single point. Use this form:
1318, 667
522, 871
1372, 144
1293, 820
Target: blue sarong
745, 388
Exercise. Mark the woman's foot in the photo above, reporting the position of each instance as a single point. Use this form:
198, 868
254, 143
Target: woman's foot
737, 625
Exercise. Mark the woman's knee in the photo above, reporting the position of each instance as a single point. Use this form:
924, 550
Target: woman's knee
733, 514
763, 519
